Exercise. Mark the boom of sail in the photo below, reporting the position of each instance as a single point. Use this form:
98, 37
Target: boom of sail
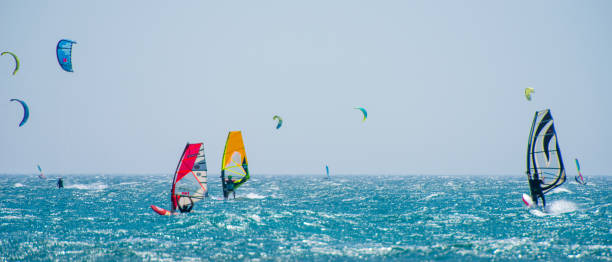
190, 183
544, 160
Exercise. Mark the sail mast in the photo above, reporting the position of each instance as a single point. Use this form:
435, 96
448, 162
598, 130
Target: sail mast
172, 199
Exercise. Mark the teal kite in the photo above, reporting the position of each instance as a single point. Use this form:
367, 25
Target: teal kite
365, 113
26, 111
64, 54
280, 121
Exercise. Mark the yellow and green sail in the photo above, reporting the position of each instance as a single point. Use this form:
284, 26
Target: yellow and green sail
234, 161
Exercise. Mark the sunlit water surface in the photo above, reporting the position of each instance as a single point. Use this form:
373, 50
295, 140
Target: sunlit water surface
107, 218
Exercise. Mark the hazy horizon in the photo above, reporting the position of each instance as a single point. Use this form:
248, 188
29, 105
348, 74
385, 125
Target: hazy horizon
442, 82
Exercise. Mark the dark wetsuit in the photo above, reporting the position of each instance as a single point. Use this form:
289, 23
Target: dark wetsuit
229, 187
184, 209
60, 183
536, 191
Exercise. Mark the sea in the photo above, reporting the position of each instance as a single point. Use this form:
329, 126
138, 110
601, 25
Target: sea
304, 218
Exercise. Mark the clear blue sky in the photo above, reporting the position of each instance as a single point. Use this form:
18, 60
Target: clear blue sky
442, 82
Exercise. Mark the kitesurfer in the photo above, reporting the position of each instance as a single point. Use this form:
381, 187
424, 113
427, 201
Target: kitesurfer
60, 183
229, 187
536, 191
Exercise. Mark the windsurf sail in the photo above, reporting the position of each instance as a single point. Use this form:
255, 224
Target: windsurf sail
64, 54
545, 169
41, 175
190, 183
234, 162
327, 171
581, 181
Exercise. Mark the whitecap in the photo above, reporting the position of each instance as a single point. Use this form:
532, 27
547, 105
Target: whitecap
555, 208
18, 185
254, 196
561, 190
537, 212
255, 217
94, 186
433, 195
560, 207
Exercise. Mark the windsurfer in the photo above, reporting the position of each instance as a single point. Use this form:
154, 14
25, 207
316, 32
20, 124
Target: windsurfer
186, 208
536, 191
60, 183
229, 187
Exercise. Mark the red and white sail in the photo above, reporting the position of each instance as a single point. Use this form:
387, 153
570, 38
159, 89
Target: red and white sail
190, 183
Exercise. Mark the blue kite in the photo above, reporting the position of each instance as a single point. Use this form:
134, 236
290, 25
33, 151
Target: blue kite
64, 54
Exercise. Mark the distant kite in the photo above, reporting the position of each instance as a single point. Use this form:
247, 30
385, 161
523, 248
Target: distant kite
64, 54
365, 113
16, 61
280, 121
26, 111
528, 92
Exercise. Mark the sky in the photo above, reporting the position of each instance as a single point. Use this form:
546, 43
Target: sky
442, 82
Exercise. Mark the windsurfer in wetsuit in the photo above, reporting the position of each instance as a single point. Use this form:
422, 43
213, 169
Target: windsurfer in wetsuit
229, 187
186, 208
60, 183
536, 191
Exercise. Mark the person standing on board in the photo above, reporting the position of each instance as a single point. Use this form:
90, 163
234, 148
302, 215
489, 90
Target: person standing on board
187, 207
229, 187
60, 183
536, 191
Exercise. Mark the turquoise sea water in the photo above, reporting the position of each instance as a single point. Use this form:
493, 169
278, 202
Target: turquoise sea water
107, 218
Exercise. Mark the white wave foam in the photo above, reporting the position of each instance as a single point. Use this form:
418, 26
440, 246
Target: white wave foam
561, 190
555, 208
255, 217
94, 186
254, 196
18, 185
433, 195
561, 206
129, 183
10, 217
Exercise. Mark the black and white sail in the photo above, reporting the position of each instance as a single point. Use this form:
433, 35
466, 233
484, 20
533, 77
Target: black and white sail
544, 160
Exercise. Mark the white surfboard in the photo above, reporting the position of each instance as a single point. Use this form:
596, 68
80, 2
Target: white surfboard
528, 201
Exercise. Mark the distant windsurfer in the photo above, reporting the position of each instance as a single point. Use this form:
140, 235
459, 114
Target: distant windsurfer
186, 208
536, 191
60, 183
178, 203
229, 187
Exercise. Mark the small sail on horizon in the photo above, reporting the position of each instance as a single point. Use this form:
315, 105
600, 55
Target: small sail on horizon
41, 175
234, 165
190, 183
327, 171
545, 170
581, 181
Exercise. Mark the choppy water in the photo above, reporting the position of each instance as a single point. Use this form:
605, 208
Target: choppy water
304, 218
